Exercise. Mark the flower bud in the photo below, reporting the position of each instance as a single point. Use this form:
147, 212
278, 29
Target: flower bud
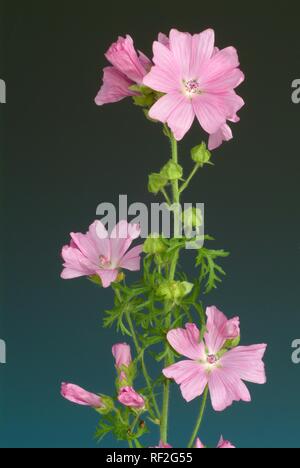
129, 397
154, 245
122, 354
172, 171
201, 155
192, 218
174, 290
157, 182
80, 396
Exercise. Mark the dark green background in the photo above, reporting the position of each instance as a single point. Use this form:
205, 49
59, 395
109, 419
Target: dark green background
62, 156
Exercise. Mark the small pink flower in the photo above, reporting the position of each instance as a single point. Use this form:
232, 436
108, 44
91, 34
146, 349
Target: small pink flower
129, 68
116, 87
162, 445
224, 373
80, 396
198, 81
122, 355
124, 57
97, 253
198, 444
225, 444
129, 397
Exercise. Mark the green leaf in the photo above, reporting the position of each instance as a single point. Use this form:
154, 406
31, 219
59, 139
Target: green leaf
211, 272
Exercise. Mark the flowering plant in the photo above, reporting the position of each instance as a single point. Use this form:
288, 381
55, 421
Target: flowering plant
163, 314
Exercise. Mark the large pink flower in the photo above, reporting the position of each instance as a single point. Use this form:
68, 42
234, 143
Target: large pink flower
128, 68
198, 81
97, 253
209, 364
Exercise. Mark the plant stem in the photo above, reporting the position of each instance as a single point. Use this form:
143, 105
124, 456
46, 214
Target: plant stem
168, 360
187, 182
200, 418
145, 372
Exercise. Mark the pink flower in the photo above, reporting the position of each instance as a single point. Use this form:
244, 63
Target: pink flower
97, 253
163, 446
129, 68
198, 444
223, 444
122, 355
115, 87
198, 81
129, 397
80, 396
209, 364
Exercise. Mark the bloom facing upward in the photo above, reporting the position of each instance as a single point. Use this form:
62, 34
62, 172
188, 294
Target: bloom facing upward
209, 364
80, 396
122, 354
129, 397
97, 253
198, 81
128, 68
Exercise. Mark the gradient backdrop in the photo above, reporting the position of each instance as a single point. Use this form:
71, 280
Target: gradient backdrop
62, 156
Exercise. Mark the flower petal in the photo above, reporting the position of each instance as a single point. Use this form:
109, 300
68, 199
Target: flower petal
181, 119
132, 259
216, 324
216, 139
225, 388
186, 342
107, 277
121, 239
210, 113
115, 87
165, 75
181, 48
191, 377
203, 49
246, 362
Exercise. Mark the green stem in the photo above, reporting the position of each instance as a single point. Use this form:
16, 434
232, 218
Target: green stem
145, 372
168, 360
187, 182
200, 418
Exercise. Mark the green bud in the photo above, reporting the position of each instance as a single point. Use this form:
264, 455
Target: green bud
230, 344
201, 155
172, 171
108, 405
156, 183
174, 290
154, 245
192, 218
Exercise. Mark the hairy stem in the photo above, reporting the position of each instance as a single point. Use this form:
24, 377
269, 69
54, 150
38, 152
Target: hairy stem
168, 359
144, 368
200, 418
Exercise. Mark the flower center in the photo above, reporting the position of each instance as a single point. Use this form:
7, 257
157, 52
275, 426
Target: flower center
191, 88
212, 359
104, 262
